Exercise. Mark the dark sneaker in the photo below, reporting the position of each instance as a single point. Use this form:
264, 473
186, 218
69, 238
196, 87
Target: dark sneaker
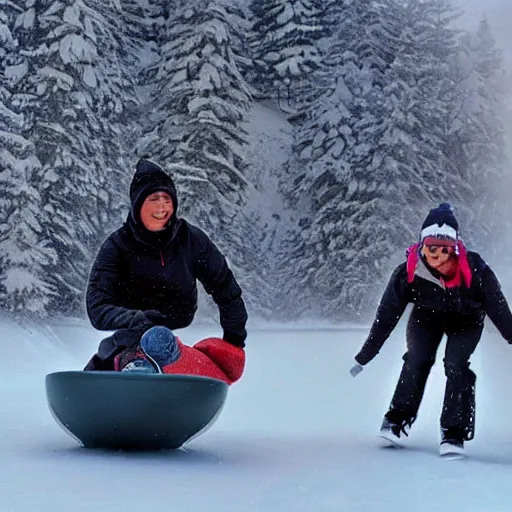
394, 433
452, 443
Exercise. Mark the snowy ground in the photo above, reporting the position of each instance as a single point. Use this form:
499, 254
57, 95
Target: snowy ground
297, 434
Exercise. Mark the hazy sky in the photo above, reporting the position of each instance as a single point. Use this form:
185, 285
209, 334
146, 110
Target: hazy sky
499, 14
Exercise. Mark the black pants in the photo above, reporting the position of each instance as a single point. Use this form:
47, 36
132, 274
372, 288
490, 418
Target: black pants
424, 334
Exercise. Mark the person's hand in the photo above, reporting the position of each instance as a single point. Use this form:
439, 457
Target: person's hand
156, 318
130, 336
356, 370
233, 338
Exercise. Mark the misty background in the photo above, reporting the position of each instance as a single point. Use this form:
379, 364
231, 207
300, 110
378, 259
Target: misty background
308, 139
498, 13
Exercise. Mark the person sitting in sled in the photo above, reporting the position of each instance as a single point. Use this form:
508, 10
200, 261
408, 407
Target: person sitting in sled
143, 285
452, 290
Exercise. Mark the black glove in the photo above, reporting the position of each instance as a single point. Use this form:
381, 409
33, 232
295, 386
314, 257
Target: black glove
233, 338
127, 337
131, 335
157, 318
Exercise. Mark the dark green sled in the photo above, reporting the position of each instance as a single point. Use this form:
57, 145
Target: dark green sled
128, 411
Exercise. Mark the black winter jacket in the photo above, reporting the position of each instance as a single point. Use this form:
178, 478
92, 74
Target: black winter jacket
431, 298
137, 275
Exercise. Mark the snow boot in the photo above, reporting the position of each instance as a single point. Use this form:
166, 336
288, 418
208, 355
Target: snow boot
394, 432
452, 443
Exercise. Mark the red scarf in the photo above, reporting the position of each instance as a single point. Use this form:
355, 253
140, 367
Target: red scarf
462, 274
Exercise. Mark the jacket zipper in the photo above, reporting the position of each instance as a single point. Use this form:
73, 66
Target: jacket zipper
162, 261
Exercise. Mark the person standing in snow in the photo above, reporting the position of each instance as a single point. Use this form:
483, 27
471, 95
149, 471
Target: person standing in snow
452, 290
143, 285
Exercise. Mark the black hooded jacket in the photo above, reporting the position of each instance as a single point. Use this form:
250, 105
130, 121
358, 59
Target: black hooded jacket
453, 307
141, 278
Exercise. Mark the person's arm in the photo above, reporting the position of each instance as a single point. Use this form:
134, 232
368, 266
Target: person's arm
218, 280
103, 292
391, 307
495, 304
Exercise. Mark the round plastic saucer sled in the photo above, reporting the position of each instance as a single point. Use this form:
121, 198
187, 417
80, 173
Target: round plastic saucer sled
131, 411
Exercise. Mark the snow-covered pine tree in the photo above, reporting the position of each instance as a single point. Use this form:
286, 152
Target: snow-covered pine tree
239, 26
415, 104
399, 169
476, 138
200, 100
199, 103
144, 23
375, 148
334, 189
149, 13
75, 94
284, 48
320, 163
25, 254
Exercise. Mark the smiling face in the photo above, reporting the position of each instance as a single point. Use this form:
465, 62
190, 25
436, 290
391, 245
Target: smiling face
439, 254
156, 211
436, 256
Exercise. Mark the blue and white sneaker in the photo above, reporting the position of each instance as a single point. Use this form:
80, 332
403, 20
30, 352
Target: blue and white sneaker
134, 360
139, 366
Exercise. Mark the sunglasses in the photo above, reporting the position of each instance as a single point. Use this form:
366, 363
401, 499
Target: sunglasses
434, 249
